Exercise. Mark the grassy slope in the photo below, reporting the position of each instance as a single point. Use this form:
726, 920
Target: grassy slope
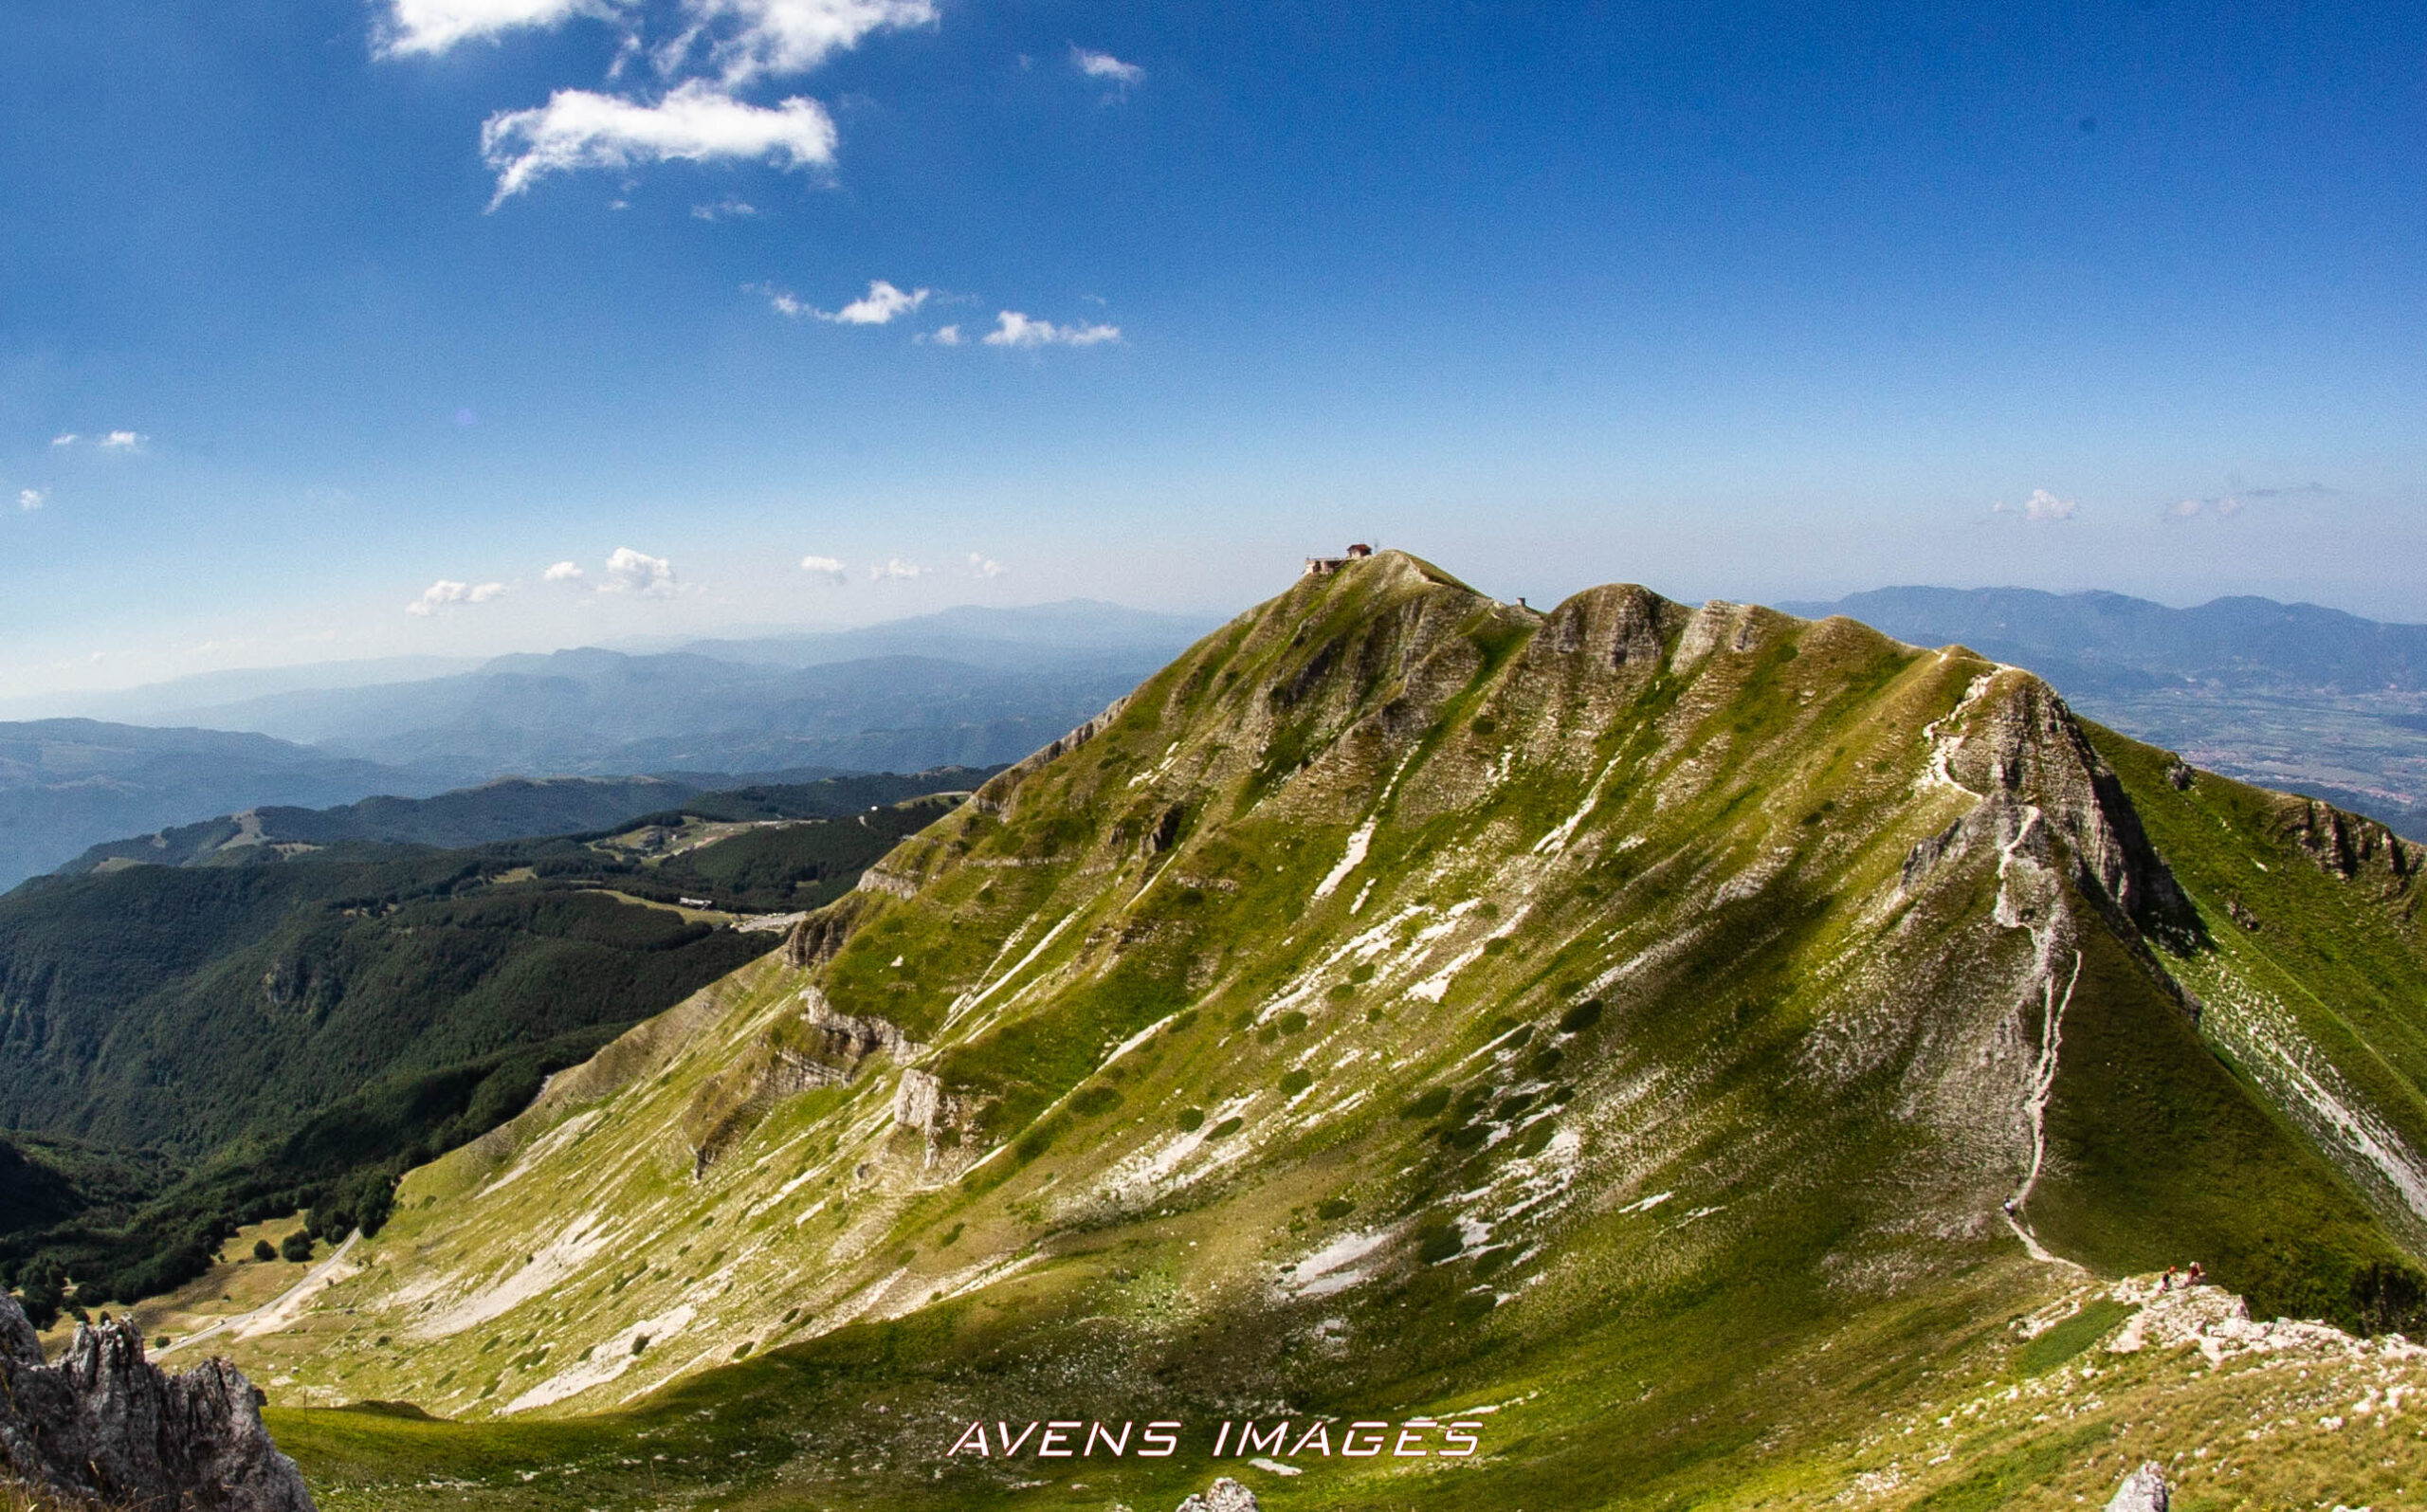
1697, 1238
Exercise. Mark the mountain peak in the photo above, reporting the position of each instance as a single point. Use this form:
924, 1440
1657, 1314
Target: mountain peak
1403, 983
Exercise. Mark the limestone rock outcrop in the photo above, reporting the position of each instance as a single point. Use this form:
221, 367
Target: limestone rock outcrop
1224, 1495
2143, 1491
105, 1423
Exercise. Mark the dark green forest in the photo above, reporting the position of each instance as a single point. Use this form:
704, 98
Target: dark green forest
184, 1050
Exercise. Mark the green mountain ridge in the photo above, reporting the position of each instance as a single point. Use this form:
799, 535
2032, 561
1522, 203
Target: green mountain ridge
1624, 1025
516, 808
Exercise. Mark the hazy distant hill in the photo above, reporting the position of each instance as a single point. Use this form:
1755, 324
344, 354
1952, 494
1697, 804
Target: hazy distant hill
2111, 642
66, 783
163, 702
2291, 695
1069, 633
968, 687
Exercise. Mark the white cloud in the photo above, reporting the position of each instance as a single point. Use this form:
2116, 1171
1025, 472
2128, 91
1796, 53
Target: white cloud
984, 566
896, 568
67, 439
29, 498
429, 27
631, 572
711, 49
1012, 329
447, 592
784, 301
882, 303
696, 122
747, 39
2041, 506
723, 209
123, 441
829, 568
1105, 66
942, 336
563, 573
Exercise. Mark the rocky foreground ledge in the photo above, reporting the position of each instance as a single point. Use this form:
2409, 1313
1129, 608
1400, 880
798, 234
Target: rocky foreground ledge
105, 1425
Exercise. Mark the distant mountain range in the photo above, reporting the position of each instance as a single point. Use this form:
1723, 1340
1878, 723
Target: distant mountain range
67, 783
597, 712
966, 687
2110, 642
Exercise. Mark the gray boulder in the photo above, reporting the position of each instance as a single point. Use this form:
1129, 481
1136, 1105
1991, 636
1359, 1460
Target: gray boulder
106, 1425
2143, 1491
1224, 1495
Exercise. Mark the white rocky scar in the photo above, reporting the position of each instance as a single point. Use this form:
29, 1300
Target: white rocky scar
1363, 837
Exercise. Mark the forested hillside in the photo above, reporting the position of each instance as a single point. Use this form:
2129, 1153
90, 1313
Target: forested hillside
519, 808
281, 1030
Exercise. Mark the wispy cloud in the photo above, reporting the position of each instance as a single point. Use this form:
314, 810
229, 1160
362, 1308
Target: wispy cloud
723, 209
68, 439
2040, 508
1012, 329
741, 38
2224, 506
446, 593
942, 336
631, 572
1121, 76
747, 39
123, 441
31, 499
895, 568
984, 566
783, 302
563, 573
428, 27
704, 54
882, 303
878, 306
696, 122
829, 568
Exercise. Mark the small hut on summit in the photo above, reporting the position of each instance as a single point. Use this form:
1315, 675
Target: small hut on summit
1325, 566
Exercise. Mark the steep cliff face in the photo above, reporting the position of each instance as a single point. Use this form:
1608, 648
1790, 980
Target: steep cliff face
1405, 994
104, 1424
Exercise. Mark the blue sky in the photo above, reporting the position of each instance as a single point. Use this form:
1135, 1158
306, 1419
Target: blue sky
363, 316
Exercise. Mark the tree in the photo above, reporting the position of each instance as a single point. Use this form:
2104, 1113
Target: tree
44, 1288
263, 1249
296, 1246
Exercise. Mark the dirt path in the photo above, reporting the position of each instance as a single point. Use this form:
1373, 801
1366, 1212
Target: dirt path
280, 1309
